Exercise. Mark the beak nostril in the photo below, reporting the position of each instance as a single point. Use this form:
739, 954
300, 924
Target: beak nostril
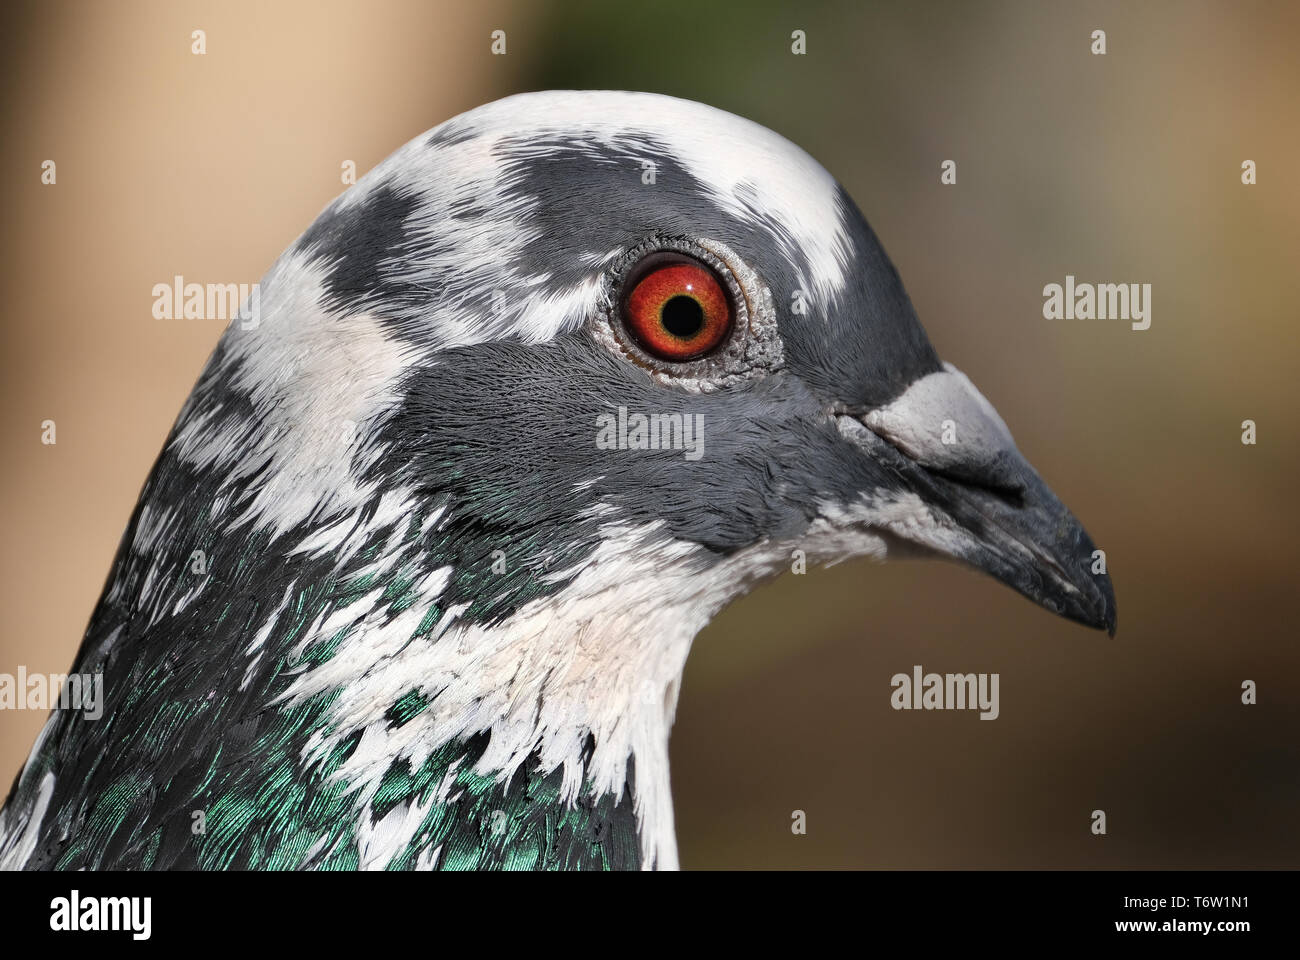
1010, 492
1011, 496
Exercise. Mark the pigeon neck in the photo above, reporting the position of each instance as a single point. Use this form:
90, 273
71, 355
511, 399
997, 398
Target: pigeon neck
570, 699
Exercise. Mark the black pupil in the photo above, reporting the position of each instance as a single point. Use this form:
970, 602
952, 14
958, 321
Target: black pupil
683, 316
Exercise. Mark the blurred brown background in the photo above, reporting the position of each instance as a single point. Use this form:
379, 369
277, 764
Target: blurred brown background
1116, 168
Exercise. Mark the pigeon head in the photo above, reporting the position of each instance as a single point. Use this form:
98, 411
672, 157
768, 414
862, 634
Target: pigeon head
524, 266
511, 421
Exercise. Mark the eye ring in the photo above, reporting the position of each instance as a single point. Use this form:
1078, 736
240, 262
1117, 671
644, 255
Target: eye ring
750, 347
676, 307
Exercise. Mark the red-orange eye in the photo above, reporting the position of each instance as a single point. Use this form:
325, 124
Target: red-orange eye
678, 310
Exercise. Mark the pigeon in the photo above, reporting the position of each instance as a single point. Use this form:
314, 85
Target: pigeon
413, 581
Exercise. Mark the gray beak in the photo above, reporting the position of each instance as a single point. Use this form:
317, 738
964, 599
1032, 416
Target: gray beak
942, 441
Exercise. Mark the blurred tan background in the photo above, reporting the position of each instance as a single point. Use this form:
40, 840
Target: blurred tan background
1116, 168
